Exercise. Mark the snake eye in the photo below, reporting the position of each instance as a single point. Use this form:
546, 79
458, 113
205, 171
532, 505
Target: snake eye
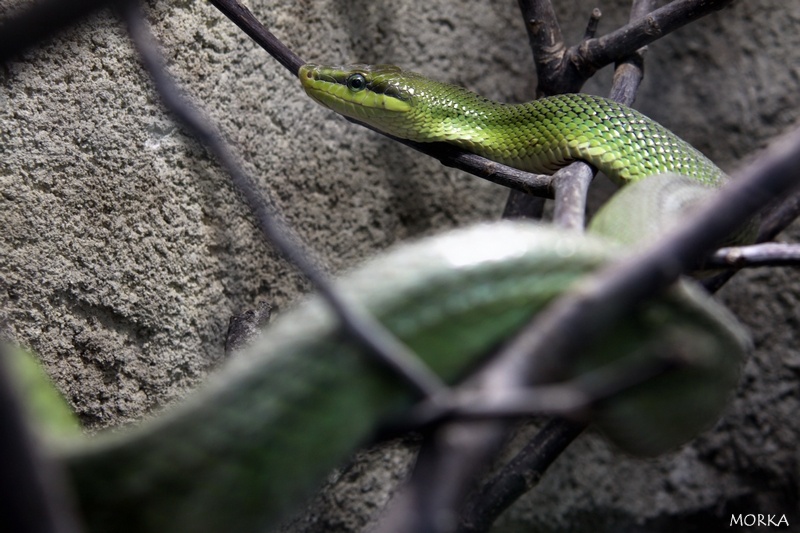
356, 82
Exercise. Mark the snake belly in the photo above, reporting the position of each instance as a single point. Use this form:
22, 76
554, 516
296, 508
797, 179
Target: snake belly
253, 442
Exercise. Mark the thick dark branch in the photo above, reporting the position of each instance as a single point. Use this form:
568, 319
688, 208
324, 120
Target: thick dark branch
594, 54
521, 474
546, 41
565, 70
629, 71
571, 184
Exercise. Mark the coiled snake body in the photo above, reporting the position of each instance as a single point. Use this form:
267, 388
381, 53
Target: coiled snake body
271, 424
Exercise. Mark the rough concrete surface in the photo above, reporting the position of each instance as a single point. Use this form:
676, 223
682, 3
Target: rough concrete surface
124, 251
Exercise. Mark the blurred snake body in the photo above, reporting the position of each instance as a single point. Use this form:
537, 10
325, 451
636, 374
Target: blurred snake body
270, 425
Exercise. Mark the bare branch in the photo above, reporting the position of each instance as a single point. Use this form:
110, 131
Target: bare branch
565, 70
629, 71
546, 41
520, 475
450, 156
243, 18
594, 54
592, 25
571, 185
757, 255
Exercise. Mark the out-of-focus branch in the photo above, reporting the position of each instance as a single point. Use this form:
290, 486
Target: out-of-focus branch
520, 475
779, 219
546, 348
573, 399
36, 21
358, 324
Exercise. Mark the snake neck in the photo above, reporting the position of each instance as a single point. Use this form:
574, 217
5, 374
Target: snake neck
539, 136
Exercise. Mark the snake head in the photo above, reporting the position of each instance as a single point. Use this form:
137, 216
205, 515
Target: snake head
369, 93
398, 102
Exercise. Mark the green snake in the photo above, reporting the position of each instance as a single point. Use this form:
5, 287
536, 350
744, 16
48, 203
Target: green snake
265, 430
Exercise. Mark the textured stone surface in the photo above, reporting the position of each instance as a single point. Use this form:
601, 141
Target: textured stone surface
123, 249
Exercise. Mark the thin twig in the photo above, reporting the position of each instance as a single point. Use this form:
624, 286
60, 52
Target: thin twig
593, 24
243, 18
571, 399
359, 325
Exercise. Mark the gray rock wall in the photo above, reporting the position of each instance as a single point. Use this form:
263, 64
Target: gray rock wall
123, 249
